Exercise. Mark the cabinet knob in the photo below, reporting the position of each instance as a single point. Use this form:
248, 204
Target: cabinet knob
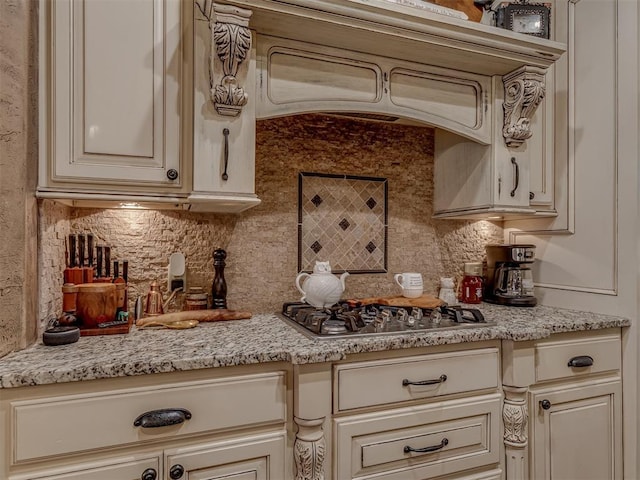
172, 174
545, 404
176, 472
149, 474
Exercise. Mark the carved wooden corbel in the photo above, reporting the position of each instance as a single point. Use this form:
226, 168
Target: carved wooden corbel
231, 43
515, 417
524, 89
309, 449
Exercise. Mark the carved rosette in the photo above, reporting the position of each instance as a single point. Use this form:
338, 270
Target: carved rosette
230, 43
515, 417
524, 89
309, 449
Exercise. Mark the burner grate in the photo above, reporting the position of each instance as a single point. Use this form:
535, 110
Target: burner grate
348, 319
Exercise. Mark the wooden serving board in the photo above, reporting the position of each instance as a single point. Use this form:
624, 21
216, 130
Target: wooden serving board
423, 301
214, 315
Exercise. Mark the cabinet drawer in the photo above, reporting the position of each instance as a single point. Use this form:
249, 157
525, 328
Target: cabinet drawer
460, 434
366, 384
74, 423
553, 355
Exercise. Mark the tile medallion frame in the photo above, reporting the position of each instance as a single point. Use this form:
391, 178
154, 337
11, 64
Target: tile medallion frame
342, 219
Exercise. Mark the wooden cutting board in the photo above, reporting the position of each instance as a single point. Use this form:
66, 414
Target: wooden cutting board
423, 301
215, 315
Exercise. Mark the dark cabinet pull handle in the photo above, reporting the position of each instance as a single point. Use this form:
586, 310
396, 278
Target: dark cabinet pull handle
545, 404
433, 448
176, 472
581, 361
441, 379
172, 174
225, 132
162, 418
149, 474
516, 178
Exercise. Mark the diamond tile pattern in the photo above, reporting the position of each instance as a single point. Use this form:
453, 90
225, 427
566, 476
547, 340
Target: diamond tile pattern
342, 220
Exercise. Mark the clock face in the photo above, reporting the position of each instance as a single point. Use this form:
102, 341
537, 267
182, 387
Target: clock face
527, 23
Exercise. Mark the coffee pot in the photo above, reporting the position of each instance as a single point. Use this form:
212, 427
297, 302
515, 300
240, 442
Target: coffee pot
321, 289
509, 279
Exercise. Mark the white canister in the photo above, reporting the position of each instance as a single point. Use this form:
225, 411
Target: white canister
447, 291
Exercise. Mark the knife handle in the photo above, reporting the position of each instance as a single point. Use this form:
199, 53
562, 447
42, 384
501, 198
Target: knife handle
90, 249
72, 251
107, 262
81, 250
99, 252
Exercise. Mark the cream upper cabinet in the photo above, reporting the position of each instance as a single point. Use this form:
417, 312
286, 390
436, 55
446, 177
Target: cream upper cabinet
224, 119
112, 107
504, 178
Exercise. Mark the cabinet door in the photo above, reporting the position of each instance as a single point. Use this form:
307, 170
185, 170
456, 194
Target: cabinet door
224, 143
257, 457
114, 95
576, 432
125, 469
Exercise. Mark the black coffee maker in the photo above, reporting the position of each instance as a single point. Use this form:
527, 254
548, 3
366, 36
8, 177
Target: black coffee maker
509, 280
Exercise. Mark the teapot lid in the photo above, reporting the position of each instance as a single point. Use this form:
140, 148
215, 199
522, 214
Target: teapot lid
322, 267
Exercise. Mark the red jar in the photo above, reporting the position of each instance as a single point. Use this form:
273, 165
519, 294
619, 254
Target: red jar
471, 286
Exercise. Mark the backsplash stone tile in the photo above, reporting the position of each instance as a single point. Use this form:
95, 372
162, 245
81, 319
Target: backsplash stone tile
262, 242
342, 219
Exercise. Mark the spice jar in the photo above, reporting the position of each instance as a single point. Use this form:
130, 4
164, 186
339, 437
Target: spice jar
471, 286
196, 299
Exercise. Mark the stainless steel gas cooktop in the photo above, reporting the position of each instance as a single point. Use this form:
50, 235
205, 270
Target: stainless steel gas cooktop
349, 319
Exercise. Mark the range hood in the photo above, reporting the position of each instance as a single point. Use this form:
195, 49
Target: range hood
379, 59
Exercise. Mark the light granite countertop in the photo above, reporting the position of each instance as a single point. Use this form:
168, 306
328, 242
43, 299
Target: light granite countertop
263, 338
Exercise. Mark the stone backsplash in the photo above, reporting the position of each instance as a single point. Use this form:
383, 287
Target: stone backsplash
261, 243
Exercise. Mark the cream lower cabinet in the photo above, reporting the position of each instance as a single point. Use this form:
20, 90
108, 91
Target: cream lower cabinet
421, 414
182, 426
563, 407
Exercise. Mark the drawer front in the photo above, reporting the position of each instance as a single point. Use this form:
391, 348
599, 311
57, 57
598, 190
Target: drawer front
119, 468
366, 384
428, 441
553, 356
75, 423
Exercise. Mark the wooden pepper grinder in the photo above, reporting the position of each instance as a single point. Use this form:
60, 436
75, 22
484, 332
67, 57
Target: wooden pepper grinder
219, 287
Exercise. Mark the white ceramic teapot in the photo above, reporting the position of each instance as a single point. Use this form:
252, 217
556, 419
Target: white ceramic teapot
322, 289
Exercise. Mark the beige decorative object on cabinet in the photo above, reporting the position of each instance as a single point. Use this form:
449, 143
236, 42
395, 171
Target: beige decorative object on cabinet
524, 89
309, 449
231, 42
515, 418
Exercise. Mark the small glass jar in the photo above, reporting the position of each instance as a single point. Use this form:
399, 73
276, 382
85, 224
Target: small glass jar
195, 299
471, 285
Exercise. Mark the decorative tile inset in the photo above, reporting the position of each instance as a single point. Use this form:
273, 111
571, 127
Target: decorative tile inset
316, 201
342, 220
